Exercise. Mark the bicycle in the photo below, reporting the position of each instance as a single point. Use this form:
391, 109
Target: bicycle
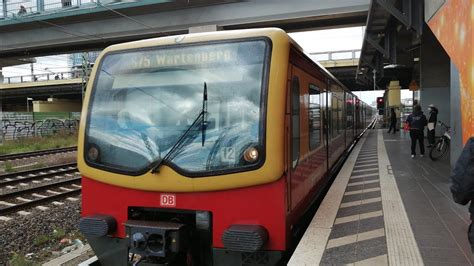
441, 145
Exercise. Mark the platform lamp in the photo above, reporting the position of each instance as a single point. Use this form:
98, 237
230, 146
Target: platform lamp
28, 99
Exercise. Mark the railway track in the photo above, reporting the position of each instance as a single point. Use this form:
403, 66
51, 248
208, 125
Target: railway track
37, 174
23, 155
18, 200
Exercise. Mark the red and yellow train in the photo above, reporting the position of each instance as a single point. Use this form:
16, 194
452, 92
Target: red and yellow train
206, 149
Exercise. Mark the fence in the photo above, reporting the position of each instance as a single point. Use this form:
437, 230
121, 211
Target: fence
16, 125
16, 9
336, 55
40, 77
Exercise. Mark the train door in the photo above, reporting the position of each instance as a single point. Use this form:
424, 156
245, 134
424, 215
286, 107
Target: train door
294, 139
326, 98
307, 156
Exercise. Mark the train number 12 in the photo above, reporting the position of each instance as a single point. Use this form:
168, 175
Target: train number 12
228, 154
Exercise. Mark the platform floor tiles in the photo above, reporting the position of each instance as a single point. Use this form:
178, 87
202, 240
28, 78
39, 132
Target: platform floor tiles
439, 225
358, 234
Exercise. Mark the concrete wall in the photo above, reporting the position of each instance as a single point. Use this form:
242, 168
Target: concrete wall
57, 105
440, 97
456, 123
435, 78
431, 7
435, 62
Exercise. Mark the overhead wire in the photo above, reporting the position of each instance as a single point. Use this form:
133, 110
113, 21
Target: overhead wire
129, 18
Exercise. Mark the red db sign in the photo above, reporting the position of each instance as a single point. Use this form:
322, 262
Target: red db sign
168, 200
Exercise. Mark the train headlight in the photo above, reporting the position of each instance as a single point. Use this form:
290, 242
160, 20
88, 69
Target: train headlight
251, 155
93, 153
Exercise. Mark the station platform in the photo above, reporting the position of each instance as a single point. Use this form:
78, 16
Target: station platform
386, 208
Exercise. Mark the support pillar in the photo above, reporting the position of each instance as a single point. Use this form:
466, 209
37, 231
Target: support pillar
394, 100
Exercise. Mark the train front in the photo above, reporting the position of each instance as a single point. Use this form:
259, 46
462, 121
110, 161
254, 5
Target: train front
180, 163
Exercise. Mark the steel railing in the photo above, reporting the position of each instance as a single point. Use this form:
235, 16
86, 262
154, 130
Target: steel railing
45, 77
12, 9
336, 55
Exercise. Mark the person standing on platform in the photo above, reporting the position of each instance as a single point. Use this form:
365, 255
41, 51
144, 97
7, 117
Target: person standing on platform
393, 121
417, 122
22, 11
432, 120
462, 183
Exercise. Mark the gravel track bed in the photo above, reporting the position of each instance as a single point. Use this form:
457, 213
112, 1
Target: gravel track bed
39, 161
19, 234
18, 187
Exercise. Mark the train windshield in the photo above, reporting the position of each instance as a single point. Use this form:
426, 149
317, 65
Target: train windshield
143, 101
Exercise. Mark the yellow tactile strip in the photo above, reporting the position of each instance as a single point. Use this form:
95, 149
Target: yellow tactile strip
401, 245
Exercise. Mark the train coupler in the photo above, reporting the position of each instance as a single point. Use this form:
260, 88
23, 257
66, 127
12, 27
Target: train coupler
155, 240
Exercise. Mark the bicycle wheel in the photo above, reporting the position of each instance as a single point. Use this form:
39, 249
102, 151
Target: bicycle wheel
439, 149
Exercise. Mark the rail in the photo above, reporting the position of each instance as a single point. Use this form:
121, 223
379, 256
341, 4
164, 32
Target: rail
29, 191
13, 178
35, 153
38, 201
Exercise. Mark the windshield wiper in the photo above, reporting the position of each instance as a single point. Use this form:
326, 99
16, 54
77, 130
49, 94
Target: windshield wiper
156, 164
204, 114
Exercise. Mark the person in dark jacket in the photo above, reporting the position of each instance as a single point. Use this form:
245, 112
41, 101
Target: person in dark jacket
462, 183
393, 121
417, 122
432, 120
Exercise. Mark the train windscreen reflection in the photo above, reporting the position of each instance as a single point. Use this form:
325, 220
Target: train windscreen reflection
143, 101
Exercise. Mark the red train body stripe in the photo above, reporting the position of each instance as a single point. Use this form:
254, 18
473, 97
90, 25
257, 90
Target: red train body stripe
263, 205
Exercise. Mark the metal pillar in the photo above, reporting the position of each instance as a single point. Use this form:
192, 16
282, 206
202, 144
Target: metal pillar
5, 11
375, 78
85, 72
40, 5
32, 72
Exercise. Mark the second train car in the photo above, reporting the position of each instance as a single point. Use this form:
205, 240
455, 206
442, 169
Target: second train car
206, 149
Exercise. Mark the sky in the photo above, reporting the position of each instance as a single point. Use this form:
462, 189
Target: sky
311, 41
330, 40
339, 40
44, 65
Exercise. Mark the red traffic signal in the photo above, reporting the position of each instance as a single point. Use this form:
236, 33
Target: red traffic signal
380, 103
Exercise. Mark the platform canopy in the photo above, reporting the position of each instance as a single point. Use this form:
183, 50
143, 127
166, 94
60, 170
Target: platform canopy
391, 45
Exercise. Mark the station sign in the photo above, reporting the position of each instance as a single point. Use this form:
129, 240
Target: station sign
413, 86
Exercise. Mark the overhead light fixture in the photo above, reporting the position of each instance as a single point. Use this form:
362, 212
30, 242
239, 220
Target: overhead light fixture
416, 59
392, 66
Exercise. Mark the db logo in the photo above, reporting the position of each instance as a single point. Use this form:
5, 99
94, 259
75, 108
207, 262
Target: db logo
168, 200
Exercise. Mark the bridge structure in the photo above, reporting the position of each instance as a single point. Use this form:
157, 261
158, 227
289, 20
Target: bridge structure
52, 27
48, 27
342, 64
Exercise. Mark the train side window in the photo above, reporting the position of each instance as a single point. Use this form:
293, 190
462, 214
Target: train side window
349, 112
314, 117
339, 116
295, 121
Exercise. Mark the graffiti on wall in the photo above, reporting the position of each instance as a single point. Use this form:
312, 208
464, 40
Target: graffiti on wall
453, 26
16, 125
